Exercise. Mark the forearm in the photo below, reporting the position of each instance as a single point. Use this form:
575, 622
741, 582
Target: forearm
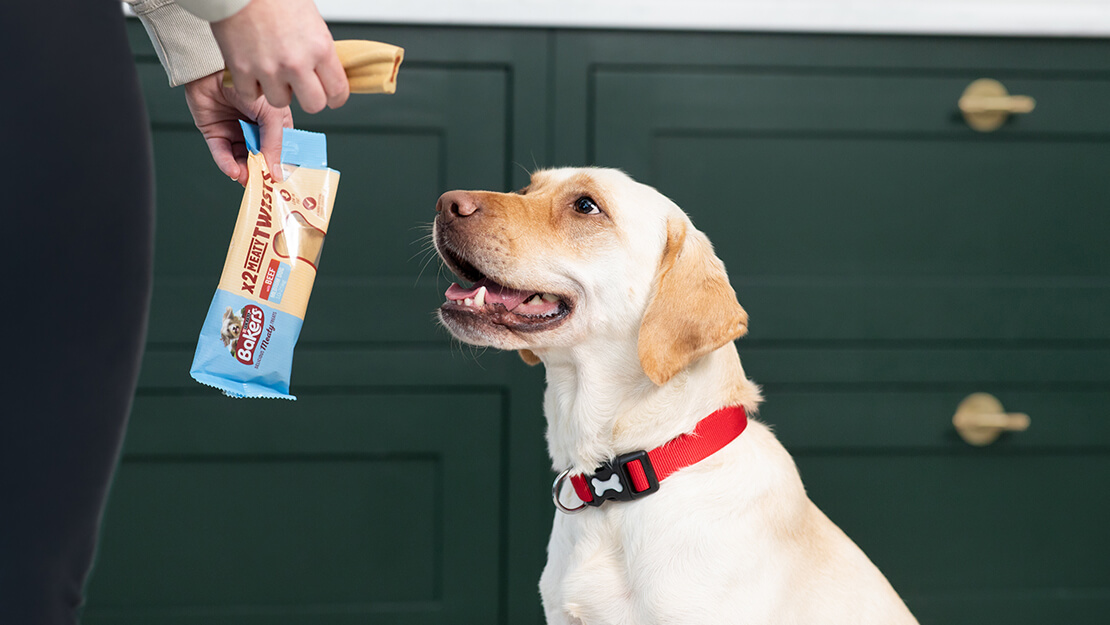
181, 38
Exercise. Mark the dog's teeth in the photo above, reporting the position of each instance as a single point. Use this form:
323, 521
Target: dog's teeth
535, 300
549, 298
480, 298
469, 302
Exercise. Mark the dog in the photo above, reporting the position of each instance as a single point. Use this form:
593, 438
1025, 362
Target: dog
608, 284
230, 328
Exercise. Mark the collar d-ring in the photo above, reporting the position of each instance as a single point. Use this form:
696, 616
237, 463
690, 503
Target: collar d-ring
557, 488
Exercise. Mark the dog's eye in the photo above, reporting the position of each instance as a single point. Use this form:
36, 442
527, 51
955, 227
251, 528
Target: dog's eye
586, 206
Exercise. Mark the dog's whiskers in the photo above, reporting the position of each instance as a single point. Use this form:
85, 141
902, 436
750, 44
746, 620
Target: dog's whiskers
427, 252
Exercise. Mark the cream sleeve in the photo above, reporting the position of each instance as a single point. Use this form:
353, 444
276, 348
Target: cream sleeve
181, 36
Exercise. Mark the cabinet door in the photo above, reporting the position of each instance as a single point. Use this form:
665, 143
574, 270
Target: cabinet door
341, 507
408, 482
893, 261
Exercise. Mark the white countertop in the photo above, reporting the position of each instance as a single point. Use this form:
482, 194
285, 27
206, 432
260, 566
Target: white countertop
1058, 18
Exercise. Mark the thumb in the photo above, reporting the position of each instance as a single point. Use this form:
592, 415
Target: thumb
222, 154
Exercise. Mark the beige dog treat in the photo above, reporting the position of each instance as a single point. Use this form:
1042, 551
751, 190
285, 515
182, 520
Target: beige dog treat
300, 240
371, 66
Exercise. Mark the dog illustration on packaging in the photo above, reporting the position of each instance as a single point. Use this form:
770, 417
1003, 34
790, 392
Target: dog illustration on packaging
230, 328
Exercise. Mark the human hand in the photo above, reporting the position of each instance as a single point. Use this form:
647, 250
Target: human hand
279, 48
217, 110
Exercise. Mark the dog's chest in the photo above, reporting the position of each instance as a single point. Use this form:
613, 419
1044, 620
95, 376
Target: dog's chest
586, 578
616, 569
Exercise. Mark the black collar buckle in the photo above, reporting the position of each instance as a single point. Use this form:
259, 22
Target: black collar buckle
618, 478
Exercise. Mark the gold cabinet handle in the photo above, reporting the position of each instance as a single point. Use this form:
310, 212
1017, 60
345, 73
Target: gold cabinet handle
986, 104
980, 419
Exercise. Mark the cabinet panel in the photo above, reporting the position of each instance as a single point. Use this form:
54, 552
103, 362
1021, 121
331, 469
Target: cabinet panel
335, 508
911, 207
975, 538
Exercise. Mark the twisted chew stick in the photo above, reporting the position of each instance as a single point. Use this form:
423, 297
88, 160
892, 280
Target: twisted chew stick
371, 66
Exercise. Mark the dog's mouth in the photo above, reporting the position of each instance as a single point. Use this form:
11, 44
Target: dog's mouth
521, 309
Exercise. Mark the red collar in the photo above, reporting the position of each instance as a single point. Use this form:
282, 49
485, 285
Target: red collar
637, 474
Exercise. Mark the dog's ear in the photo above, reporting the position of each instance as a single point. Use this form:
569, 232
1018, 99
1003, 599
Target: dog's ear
528, 357
693, 310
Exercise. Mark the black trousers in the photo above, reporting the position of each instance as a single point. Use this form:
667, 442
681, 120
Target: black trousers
76, 236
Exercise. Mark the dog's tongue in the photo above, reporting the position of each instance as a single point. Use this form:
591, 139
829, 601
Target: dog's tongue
495, 293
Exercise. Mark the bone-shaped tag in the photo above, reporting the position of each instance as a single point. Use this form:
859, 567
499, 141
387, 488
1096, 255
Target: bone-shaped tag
611, 484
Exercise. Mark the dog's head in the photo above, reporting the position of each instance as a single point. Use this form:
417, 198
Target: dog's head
579, 255
230, 328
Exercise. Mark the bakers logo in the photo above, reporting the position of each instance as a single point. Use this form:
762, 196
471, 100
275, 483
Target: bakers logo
253, 320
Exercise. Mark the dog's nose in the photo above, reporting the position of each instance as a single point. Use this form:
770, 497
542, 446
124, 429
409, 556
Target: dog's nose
457, 204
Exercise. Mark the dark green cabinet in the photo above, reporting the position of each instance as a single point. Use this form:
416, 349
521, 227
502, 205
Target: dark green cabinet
341, 508
892, 260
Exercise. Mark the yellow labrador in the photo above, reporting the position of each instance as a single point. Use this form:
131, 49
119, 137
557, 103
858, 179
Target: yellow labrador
610, 286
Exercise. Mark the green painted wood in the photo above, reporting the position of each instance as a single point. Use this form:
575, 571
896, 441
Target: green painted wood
521, 56
882, 206
581, 53
955, 533
915, 367
853, 418
810, 100
336, 508
1004, 310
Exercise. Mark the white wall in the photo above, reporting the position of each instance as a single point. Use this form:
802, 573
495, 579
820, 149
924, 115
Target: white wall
969, 17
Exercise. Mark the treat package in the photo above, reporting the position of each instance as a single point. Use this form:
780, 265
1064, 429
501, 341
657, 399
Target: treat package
246, 344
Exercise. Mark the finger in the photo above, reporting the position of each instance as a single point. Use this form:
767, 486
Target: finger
310, 93
239, 151
223, 156
245, 85
334, 79
270, 127
277, 91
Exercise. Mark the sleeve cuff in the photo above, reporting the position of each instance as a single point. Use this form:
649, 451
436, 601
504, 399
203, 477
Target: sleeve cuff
183, 41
